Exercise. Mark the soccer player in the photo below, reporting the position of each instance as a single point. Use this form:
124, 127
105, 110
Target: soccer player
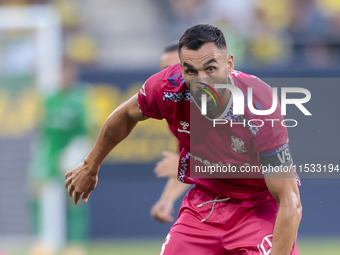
163, 209
169, 56
219, 215
62, 128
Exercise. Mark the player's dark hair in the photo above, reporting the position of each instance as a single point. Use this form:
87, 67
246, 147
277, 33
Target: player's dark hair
173, 46
194, 37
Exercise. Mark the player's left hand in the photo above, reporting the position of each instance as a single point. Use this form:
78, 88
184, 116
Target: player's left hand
162, 211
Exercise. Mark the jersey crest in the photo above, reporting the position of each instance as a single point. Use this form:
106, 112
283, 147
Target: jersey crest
237, 144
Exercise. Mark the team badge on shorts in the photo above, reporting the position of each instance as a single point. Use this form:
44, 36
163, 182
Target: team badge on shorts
237, 145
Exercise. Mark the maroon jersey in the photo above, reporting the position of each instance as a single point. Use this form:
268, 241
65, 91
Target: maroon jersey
165, 95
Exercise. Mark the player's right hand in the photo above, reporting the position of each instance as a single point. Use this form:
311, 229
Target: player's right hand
162, 211
81, 181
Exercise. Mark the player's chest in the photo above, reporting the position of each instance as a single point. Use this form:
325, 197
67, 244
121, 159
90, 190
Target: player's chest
202, 135
220, 141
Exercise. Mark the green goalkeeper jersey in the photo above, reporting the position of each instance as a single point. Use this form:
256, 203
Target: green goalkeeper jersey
63, 121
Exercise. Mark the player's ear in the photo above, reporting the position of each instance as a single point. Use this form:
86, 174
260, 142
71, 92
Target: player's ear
230, 63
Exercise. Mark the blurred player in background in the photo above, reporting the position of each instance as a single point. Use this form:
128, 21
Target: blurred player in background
219, 215
62, 141
169, 56
163, 209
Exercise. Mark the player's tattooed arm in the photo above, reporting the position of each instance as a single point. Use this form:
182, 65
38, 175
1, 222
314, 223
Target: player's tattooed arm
83, 179
285, 191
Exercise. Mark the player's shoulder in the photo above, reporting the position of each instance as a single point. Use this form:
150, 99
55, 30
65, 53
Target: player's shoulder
173, 70
244, 81
168, 79
239, 74
261, 92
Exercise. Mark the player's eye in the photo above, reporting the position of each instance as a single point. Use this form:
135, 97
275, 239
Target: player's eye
191, 72
211, 69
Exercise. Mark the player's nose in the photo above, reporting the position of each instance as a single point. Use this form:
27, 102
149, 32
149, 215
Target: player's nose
202, 75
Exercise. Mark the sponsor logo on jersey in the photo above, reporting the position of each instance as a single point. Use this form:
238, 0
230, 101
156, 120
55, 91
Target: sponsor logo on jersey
237, 145
184, 125
208, 163
142, 89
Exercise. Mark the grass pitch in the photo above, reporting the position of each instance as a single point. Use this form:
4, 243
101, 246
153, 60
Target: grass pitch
307, 246
310, 246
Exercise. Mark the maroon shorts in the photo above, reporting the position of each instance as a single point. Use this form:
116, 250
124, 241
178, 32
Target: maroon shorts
235, 227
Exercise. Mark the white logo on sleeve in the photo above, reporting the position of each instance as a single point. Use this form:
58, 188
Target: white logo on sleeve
142, 89
184, 125
237, 145
266, 246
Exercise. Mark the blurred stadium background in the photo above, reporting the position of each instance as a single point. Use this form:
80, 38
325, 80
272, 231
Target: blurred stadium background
116, 46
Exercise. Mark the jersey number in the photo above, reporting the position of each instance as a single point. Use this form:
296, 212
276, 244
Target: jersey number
167, 239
